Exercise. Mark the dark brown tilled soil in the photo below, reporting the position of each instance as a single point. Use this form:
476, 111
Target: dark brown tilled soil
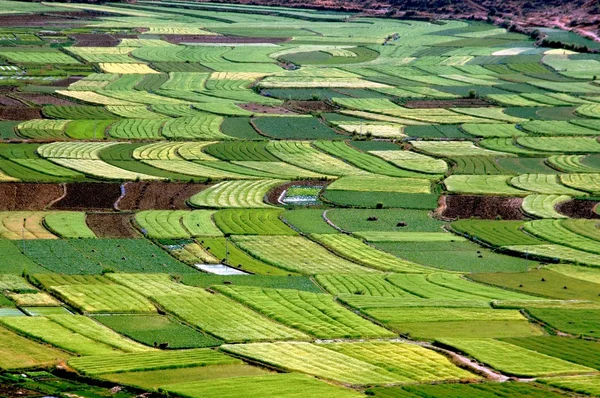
67, 19
259, 108
111, 225
578, 208
19, 113
484, 207
8, 101
98, 40
66, 82
89, 195
158, 195
309, 106
276, 192
44, 99
22, 196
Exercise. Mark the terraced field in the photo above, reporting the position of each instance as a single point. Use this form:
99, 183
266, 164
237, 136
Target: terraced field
203, 199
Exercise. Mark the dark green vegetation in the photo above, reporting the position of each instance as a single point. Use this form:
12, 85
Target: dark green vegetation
543, 283
101, 255
153, 330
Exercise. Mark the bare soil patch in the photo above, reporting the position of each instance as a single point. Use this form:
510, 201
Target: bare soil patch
66, 82
89, 195
309, 106
158, 195
98, 40
111, 225
484, 207
259, 108
578, 208
23, 196
67, 19
44, 99
176, 39
15, 391
19, 113
275, 193
455, 103
8, 101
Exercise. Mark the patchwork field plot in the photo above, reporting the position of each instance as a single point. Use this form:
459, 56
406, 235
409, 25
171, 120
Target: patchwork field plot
314, 314
235, 194
513, 359
287, 384
244, 200
226, 316
356, 363
99, 364
300, 255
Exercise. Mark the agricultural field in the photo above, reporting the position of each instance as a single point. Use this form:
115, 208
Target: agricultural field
204, 199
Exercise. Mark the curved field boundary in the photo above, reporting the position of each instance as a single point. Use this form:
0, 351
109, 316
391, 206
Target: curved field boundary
246, 194
544, 206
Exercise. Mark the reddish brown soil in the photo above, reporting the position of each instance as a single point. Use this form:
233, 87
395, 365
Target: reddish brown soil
158, 195
111, 225
19, 113
276, 192
89, 195
258, 108
15, 391
455, 103
309, 106
66, 82
578, 208
67, 19
98, 40
581, 16
176, 39
485, 207
21, 196
44, 99
8, 101
8, 89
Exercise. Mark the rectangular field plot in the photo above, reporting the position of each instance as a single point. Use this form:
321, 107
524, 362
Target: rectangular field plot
512, 359
484, 390
155, 379
577, 322
177, 224
362, 253
542, 283
219, 247
297, 254
215, 314
356, 363
76, 334
363, 285
588, 385
381, 184
77, 256
101, 364
19, 352
252, 222
95, 294
433, 322
314, 314
148, 329
282, 385
579, 351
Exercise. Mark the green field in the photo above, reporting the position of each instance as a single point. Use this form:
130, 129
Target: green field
205, 199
